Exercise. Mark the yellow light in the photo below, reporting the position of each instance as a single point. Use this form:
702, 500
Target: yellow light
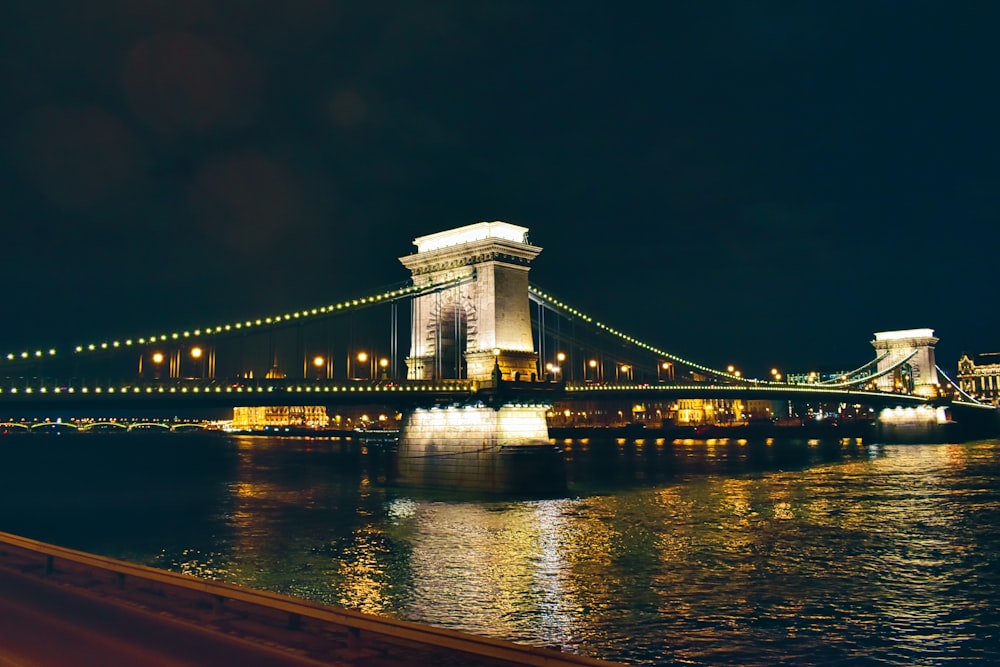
383, 362
666, 365
561, 357
196, 352
157, 357
592, 363
362, 357
624, 368
318, 361
496, 352
730, 368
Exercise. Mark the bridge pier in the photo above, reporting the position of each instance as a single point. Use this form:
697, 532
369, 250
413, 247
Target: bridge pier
921, 424
503, 450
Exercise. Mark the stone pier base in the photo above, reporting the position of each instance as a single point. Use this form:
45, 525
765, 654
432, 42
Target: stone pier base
913, 425
503, 450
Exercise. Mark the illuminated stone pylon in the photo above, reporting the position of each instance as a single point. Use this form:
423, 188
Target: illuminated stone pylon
465, 330
921, 376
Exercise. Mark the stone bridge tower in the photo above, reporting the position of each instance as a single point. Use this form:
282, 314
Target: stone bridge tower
465, 330
922, 371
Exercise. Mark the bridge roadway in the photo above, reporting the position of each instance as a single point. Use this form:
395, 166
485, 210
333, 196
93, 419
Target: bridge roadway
178, 394
64, 608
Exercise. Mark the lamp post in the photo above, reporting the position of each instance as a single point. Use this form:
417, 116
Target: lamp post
592, 365
157, 359
198, 355
383, 364
318, 363
667, 369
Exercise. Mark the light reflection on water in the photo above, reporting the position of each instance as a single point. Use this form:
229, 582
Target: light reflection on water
721, 552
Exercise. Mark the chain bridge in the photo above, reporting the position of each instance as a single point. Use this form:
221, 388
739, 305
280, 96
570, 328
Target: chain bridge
492, 361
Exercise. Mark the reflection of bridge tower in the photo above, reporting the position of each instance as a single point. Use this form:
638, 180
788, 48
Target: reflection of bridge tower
463, 331
922, 369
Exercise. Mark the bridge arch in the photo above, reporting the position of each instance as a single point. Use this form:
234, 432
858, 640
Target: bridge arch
453, 325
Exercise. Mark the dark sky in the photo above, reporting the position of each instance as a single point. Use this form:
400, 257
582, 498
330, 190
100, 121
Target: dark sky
761, 183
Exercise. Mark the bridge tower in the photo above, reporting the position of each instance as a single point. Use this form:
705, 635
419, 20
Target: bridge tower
922, 372
479, 321
466, 330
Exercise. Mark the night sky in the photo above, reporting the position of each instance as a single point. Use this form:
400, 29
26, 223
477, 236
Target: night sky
765, 184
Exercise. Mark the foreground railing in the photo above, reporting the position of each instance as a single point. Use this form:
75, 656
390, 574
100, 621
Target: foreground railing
359, 628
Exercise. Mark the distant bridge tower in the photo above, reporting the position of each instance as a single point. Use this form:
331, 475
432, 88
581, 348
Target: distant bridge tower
922, 371
467, 330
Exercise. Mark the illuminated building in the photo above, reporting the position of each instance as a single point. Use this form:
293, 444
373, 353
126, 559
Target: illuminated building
814, 377
270, 416
696, 411
982, 379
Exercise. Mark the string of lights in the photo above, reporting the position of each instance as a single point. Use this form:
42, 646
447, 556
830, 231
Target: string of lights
260, 323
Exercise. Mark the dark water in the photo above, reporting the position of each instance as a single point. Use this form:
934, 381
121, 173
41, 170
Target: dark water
695, 553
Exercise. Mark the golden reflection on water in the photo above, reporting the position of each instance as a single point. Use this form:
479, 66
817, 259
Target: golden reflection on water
479, 567
362, 573
784, 562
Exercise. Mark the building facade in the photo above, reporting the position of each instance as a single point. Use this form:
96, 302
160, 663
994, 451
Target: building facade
274, 416
979, 376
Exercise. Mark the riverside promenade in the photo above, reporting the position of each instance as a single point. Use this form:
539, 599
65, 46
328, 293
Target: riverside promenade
68, 608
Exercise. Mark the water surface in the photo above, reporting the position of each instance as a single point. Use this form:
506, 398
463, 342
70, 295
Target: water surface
694, 552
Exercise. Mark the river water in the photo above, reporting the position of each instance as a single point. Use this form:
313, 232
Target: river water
692, 553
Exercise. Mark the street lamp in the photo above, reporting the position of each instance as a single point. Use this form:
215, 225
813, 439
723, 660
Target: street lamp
197, 353
592, 364
667, 368
157, 360
383, 363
